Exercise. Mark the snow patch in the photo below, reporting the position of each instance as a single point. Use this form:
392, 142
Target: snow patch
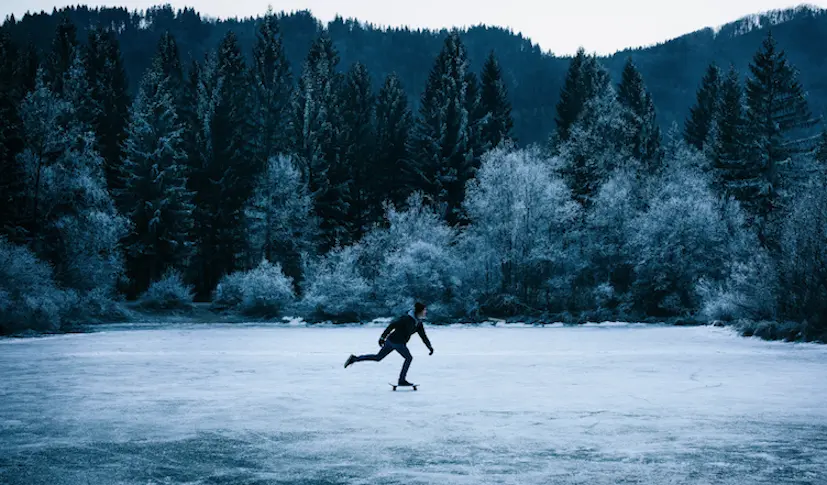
766, 19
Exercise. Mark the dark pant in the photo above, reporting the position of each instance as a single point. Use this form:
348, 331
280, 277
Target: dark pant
387, 349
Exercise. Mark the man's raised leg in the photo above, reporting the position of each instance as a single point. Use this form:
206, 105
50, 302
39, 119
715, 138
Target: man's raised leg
386, 349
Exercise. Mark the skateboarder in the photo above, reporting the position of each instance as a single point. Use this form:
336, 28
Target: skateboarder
397, 334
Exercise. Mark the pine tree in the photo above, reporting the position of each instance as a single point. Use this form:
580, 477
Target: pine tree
168, 61
272, 91
357, 140
316, 123
154, 195
706, 109
599, 143
586, 80
189, 115
776, 107
108, 91
572, 96
499, 125
84, 108
28, 66
223, 179
596, 78
393, 126
632, 94
476, 120
729, 133
12, 212
64, 50
442, 142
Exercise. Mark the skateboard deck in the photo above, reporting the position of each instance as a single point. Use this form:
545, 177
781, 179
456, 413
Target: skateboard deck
394, 386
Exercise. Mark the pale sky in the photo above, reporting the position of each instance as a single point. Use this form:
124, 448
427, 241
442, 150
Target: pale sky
602, 26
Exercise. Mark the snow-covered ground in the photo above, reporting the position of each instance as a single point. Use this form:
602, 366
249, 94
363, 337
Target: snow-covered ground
589, 405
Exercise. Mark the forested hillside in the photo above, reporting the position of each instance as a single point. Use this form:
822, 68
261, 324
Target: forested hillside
672, 70
275, 166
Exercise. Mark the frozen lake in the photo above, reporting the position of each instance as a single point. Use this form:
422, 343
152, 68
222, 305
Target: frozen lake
256, 405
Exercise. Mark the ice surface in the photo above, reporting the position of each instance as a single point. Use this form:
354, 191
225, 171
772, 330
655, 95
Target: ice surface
208, 404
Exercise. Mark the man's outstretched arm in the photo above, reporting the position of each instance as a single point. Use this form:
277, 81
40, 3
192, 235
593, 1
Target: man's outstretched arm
421, 332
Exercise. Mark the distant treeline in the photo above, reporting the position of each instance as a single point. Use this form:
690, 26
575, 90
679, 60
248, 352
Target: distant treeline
534, 78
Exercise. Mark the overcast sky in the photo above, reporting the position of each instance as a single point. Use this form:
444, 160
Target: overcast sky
602, 26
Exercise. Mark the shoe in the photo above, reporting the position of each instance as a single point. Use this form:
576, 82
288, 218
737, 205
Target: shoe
404, 383
350, 360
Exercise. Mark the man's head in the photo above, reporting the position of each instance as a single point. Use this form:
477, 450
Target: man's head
420, 310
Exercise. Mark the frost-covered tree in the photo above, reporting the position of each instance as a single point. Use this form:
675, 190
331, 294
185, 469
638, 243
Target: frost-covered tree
608, 260
705, 112
416, 222
412, 259
281, 226
154, 195
441, 143
44, 117
685, 235
393, 125
272, 90
521, 213
498, 124
420, 271
74, 223
77, 92
802, 284
316, 124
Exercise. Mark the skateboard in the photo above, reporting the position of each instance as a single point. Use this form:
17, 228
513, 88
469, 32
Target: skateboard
394, 386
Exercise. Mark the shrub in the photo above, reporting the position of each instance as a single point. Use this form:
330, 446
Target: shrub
336, 290
262, 291
29, 298
168, 293
771, 330
94, 306
420, 271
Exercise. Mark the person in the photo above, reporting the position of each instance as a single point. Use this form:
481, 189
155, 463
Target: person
395, 337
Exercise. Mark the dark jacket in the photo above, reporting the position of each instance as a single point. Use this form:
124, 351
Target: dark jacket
403, 328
